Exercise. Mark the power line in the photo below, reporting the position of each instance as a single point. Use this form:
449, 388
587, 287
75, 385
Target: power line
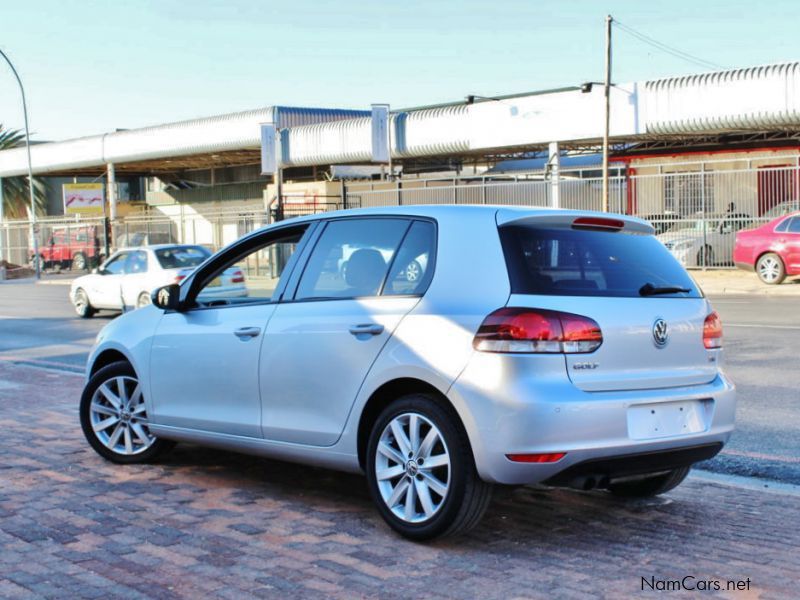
668, 49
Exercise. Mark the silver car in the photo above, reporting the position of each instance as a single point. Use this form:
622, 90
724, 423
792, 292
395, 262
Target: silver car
536, 346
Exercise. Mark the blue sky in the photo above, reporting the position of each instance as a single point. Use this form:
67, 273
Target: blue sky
91, 66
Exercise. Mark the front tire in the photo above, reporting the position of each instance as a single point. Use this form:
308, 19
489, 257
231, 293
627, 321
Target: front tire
143, 300
82, 305
420, 470
114, 417
705, 257
650, 486
770, 269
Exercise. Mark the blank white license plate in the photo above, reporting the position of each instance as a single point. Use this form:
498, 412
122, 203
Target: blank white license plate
666, 419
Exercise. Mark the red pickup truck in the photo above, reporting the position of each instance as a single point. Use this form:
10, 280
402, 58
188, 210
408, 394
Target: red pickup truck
76, 248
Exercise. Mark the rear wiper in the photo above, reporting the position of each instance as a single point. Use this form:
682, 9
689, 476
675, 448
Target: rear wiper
648, 289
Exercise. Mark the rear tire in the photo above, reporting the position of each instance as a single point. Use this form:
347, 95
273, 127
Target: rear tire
770, 269
79, 262
423, 478
650, 486
114, 418
82, 305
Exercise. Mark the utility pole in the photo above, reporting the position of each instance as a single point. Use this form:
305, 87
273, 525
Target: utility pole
607, 97
32, 209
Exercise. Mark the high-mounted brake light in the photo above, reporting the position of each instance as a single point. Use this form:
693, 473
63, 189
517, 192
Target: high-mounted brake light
534, 330
598, 223
712, 331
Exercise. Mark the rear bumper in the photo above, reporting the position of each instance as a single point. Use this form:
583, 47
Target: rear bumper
627, 465
745, 266
544, 412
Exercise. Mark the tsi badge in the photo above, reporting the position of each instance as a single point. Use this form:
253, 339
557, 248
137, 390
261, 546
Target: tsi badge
660, 333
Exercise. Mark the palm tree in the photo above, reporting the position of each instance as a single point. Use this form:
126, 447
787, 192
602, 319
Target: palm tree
16, 198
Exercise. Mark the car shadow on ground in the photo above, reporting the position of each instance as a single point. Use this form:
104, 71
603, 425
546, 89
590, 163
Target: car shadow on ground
524, 516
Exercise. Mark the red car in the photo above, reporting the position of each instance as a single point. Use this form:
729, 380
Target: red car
76, 248
772, 250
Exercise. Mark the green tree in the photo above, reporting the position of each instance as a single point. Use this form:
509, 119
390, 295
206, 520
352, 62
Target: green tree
16, 198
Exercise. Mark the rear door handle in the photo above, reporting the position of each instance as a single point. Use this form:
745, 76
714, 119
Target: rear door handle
367, 328
245, 333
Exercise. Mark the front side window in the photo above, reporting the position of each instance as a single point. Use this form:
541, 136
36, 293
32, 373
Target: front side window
351, 259
116, 264
251, 276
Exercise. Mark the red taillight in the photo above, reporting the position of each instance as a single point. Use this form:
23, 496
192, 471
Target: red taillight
598, 223
536, 458
712, 332
179, 278
525, 330
238, 277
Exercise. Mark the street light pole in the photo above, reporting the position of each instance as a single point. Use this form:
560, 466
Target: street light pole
607, 96
32, 208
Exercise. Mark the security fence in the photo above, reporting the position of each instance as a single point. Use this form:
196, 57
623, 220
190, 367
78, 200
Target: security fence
696, 209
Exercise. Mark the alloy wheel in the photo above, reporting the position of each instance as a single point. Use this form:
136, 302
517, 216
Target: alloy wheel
769, 269
413, 271
412, 467
118, 416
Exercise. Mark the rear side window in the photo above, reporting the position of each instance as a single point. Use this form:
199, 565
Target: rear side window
569, 262
351, 258
794, 225
181, 257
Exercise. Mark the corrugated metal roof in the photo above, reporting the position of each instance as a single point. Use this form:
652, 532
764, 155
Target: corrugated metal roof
766, 97
421, 133
195, 136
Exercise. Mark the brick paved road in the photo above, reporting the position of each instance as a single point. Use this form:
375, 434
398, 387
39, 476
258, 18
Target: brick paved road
210, 523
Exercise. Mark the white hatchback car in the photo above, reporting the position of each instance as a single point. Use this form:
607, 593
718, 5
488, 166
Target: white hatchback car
536, 346
129, 276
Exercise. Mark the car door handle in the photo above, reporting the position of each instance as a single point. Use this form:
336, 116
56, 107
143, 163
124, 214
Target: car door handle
247, 332
367, 328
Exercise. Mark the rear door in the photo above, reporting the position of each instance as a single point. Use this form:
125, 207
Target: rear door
603, 274
318, 347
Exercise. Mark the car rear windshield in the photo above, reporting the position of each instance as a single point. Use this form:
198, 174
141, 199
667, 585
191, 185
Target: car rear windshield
181, 257
572, 262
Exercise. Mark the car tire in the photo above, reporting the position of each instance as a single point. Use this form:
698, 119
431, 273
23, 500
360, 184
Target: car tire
113, 417
649, 486
430, 490
143, 300
79, 262
82, 305
705, 257
770, 269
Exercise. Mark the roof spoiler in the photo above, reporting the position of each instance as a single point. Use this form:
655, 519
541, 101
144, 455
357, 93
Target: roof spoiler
578, 219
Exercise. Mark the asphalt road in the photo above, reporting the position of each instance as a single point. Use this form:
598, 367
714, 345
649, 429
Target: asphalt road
38, 326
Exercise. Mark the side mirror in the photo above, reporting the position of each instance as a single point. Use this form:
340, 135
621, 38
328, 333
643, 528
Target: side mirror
168, 297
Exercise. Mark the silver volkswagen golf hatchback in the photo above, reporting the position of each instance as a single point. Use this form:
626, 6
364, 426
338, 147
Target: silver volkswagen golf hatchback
437, 349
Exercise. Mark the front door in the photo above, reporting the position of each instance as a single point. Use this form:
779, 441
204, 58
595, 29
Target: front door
204, 361
106, 287
363, 276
